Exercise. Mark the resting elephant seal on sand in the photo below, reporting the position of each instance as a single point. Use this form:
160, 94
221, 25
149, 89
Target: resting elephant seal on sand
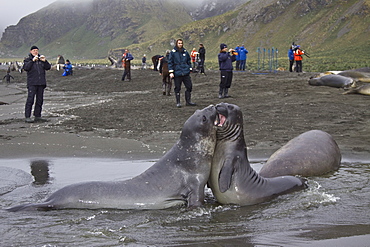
312, 153
337, 81
177, 179
364, 89
233, 180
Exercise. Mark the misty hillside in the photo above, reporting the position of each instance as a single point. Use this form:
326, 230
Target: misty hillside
334, 32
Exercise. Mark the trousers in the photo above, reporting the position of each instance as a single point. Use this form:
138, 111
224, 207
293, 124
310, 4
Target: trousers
33, 91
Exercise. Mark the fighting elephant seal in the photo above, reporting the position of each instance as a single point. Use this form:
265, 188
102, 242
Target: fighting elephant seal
233, 180
364, 89
177, 179
312, 153
337, 81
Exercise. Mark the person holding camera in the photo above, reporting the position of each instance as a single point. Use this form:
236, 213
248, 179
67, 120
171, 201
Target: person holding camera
225, 60
298, 53
126, 60
68, 69
35, 65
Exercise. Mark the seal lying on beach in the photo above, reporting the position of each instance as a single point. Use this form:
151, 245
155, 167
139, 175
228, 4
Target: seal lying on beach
364, 89
337, 81
177, 179
312, 153
233, 180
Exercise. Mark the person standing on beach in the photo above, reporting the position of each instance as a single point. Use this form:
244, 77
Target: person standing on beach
298, 58
193, 56
237, 63
202, 57
179, 66
143, 62
35, 65
242, 53
291, 58
126, 59
163, 70
225, 60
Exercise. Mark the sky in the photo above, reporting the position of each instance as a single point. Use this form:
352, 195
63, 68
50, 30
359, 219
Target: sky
13, 10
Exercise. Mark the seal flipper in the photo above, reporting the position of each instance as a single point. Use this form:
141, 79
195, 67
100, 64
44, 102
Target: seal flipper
31, 206
226, 174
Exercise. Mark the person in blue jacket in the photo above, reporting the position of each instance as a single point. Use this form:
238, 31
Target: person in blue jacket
237, 63
126, 60
243, 57
67, 68
291, 57
35, 65
179, 67
225, 61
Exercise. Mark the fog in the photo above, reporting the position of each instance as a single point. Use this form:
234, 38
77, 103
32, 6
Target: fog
13, 11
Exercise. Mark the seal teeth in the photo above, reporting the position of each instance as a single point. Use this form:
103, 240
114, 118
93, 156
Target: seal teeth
217, 120
221, 120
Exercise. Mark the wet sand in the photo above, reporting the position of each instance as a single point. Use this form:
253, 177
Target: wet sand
95, 114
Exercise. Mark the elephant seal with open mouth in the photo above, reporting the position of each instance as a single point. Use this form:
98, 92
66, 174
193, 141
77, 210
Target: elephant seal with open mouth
177, 179
233, 180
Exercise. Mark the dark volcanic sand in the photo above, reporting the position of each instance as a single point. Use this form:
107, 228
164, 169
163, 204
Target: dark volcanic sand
277, 107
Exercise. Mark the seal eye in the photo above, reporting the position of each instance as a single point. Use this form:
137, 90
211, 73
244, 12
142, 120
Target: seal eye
204, 119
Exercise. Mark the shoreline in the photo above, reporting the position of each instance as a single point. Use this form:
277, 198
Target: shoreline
135, 130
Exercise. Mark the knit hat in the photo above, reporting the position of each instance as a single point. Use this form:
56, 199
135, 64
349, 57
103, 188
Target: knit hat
34, 47
223, 46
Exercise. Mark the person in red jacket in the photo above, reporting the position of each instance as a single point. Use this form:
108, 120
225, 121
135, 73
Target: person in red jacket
298, 53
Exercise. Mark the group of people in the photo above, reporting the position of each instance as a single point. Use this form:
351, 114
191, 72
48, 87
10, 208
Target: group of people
241, 57
179, 63
176, 65
295, 53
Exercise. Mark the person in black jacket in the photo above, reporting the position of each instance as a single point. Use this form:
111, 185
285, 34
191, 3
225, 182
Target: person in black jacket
35, 65
179, 66
202, 57
225, 60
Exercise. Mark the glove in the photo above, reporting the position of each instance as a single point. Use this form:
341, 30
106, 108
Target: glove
35, 58
43, 58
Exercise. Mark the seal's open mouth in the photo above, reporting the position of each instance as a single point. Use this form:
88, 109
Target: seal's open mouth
220, 120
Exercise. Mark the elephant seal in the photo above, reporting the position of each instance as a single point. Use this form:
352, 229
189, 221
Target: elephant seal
337, 81
312, 153
233, 180
356, 75
177, 179
364, 89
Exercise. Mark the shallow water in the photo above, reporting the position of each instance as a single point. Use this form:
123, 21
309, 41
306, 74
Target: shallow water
334, 210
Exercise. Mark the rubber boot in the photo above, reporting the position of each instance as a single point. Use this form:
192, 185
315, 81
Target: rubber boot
164, 88
220, 94
168, 89
178, 100
188, 99
226, 93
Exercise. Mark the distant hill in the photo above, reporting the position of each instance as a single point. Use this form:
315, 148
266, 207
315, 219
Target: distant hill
334, 32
